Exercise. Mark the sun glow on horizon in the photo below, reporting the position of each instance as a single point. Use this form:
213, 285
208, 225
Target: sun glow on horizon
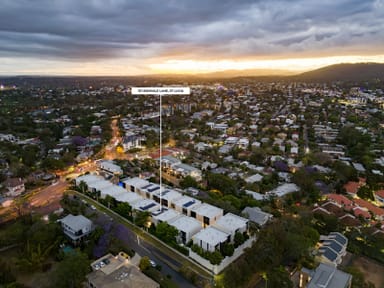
289, 65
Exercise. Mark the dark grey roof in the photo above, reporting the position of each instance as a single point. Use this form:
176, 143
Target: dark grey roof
334, 245
339, 237
329, 253
256, 215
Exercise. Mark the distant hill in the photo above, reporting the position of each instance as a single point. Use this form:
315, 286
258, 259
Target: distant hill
338, 72
344, 72
245, 73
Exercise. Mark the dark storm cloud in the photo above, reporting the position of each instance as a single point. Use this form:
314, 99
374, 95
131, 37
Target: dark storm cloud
72, 29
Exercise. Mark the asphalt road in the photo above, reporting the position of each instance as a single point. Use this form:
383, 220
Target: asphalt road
144, 248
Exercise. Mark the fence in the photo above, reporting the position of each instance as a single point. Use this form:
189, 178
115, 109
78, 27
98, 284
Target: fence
216, 269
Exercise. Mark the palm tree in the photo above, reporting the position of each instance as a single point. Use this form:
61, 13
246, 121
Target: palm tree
83, 187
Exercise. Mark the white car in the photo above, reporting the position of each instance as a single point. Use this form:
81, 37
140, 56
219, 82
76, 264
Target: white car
153, 263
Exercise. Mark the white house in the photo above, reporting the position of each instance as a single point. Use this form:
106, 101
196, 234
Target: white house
76, 227
184, 170
87, 179
243, 143
134, 184
231, 224
113, 191
131, 141
187, 228
15, 187
129, 197
174, 167
98, 185
166, 197
185, 204
231, 140
164, 215
109, 167
146, 205
254, 178
149, 190
206, 214
201, 146
211, 238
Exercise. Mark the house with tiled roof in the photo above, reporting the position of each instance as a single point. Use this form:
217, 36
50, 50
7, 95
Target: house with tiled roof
379, 196
349, 220
341, 201
360, 212
377, 212
352, 186
333, 208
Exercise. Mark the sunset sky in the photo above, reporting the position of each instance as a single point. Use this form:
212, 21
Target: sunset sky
121, 37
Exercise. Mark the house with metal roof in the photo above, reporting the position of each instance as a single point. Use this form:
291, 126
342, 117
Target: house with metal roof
324, 276
256, 215
76, 228
333, 248
109, 167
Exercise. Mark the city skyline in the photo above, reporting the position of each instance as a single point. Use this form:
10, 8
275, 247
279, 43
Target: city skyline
149, 37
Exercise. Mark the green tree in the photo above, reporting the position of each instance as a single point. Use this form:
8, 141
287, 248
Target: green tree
215, 258
166, 233
141, 218
278, 278
344, 172
124, 209
239, 239
145, 263
83, 188
257, 157
188, 181
227, 249
365, 192
152, 139
222, 183
71, 271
